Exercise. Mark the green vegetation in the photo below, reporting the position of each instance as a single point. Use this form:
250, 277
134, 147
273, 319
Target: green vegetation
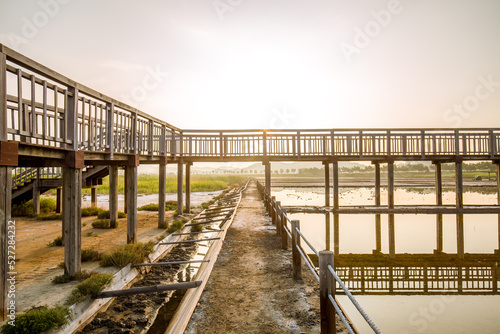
175, 226
57, 242
55, 216
104, 223
61, 279
38, 320
148, 184
197, 228
205, 205
25, 209
149, 207
131, 253
91, 211
90, 255
91, 287
104, 214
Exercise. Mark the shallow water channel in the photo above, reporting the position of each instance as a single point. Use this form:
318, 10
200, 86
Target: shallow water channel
414, 234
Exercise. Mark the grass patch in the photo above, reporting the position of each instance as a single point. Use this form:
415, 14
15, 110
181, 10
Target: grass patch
55, 216
176, 226
90, 255
38, 320
104, 214
25, 209
61, 279
149, 207
104, 223
163, 225
170, 205
91, 234
57, 242
91, 287
205, 205
131, 253
197, 228
90, 211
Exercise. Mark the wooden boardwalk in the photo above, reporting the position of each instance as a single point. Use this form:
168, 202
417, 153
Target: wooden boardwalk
55, 132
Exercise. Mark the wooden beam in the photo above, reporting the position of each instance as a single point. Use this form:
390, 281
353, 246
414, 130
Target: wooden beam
187, 241
180, 203
5, 227
113, 195
72, 221
168, 263
131, 190
188, 188
162, 189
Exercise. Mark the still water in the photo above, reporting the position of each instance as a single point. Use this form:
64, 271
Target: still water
414, 234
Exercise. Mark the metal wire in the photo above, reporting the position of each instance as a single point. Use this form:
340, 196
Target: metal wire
341, 315
304, 256
353, 300
308, 243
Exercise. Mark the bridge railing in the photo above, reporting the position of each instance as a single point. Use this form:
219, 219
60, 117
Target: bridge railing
325, 275
46, 108
342, 143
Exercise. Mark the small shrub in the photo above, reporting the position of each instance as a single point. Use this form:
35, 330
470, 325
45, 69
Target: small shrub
170, 205
91, 211
91, 234
47, 205
163, 225
131, 253
57, 242
176, 214
61, 279
103, 223
56, 216
176, 226
197, 228
105, 214
91, 287
23, 209
149, 207
90, 255
38, 320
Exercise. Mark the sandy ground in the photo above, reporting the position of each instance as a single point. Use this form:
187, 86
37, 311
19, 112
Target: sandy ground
251, 289
37, 263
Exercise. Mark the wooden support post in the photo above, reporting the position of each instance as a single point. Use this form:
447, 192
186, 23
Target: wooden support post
278, 217
131, 191
284, 234
459, 204
390, 204
498, 202
267, 167
180, 178
326, 287
296, 258
439, 201
162, 184
125, 190
93, 196
36, 196
113, 195
336, 234
272, 213
72, 220
335, 176
378, 223
188, 187
327, 183
59, 200
328, 231
5, 226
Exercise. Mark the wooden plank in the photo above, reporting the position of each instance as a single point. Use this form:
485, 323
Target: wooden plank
200, 232
167, 263
188, 241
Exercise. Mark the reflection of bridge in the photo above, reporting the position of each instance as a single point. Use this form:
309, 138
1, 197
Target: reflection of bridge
412, 274
50, 121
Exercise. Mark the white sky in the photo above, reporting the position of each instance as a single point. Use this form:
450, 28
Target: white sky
274, 63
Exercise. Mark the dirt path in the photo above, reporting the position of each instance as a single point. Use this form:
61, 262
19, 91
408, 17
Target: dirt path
251, 289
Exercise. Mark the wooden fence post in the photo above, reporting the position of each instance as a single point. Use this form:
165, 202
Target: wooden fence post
279, 213
296, 260
273, 210
284, 235
326, 287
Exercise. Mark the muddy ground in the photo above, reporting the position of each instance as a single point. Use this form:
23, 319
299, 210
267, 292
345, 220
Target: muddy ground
135, 314
251, 289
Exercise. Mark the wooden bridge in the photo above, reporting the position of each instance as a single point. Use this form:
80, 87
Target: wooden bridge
57, 133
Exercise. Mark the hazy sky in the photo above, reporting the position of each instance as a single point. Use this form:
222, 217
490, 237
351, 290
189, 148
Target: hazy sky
275, 64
